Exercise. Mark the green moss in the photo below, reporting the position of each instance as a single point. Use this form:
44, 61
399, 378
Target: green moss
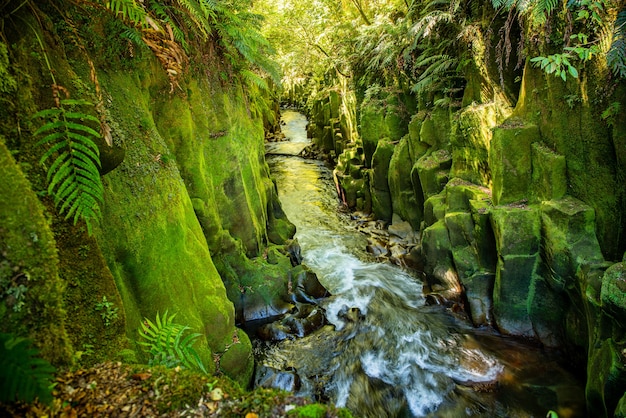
514, 275
379, 184
404, 201
29, 261
613, 293
569, 239
470, 138
517, 230
549, 178
510, 162
318, 411
432, 171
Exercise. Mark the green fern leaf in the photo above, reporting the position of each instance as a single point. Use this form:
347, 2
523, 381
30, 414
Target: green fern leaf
167, 344
23, 375
73, 177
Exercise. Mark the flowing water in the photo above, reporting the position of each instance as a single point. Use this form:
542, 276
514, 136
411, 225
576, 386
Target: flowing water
387, 353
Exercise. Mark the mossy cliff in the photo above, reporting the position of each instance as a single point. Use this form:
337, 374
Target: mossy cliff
518, 196
185, 183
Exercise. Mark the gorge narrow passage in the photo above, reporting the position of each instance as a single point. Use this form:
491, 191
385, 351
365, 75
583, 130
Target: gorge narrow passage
387, 353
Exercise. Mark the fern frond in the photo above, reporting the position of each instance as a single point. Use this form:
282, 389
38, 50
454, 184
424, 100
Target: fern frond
73, 177
129, 10
167, 344
24, 376
252, 78
616, 57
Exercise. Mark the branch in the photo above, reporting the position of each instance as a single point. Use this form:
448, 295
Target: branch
357, 4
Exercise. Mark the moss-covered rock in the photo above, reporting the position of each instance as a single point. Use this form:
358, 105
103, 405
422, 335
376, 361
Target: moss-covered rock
404, 201
470, 139
379, 184
510, 162
434, 209
432, 172
31, 291
549, 177
517, 229
518, 236
479, 293
613, 293
569, 239
514, 276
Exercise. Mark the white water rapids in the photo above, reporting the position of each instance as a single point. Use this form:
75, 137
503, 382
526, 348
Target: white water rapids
389, 354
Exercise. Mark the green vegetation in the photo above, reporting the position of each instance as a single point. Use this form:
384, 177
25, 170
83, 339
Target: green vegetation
108, 311
24, 376
73, 176
167, 344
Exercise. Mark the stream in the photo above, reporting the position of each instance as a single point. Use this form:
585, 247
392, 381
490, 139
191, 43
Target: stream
386, 353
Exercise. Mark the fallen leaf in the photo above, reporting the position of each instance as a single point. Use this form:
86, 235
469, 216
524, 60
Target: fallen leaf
141, 376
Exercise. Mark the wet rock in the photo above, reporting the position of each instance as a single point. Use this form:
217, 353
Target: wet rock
376, 248
307, 286
275, 331
268, 377
352, 314
302, 321
294, 252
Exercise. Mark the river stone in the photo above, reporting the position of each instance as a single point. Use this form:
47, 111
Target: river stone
613, 293
400, 228
510, 162
307, 286
268, 377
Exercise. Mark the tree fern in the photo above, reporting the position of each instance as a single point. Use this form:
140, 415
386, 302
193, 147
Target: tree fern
167, 345
73, 177
24, 376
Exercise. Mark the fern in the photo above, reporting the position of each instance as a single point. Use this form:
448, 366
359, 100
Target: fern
167, 344
73, 177
616, 57
128, 10
24, 376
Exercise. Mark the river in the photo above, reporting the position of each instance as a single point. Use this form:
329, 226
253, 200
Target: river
386, 353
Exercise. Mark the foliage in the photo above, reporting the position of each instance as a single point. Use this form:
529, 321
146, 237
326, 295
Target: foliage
616, 57
108, 311
163, 26
596, 38
608, 115
24, 376
167, 345
73, 177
